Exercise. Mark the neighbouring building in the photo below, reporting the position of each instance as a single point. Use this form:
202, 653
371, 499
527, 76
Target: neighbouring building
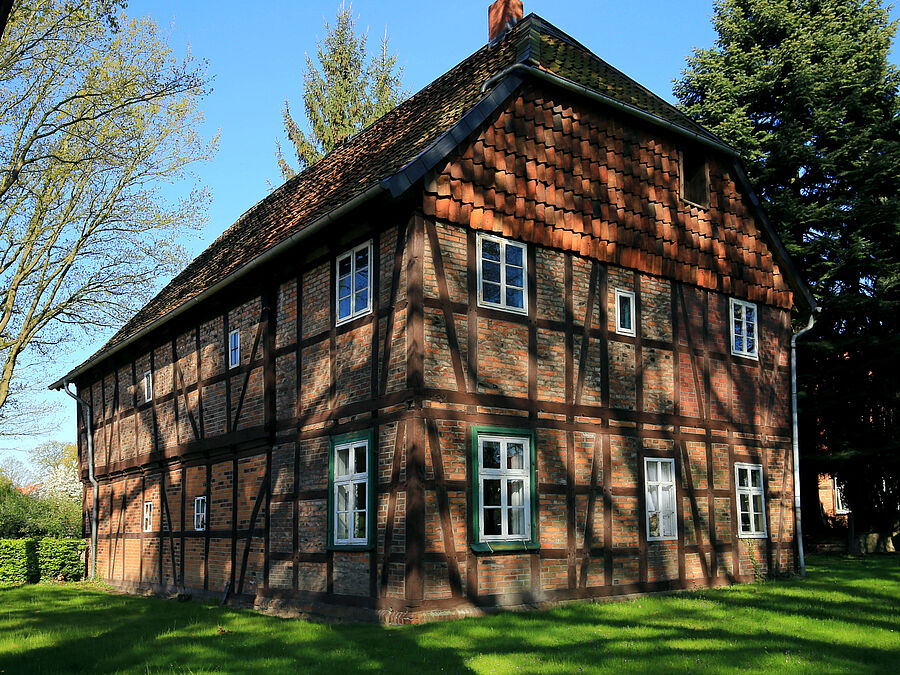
525, 339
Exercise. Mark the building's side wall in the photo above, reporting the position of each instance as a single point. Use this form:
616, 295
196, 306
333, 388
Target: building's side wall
252, 439
599, 403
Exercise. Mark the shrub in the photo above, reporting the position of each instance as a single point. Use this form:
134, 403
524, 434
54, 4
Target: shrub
60, 559
19, 561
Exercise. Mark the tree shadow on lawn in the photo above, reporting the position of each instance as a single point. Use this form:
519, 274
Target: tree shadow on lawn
755, 626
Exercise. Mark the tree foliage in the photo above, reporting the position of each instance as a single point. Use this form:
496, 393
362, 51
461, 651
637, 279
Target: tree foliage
804, 90
45, 502
342, 95
96, 118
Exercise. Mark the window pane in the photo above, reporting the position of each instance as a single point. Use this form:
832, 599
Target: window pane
361, 280
359, 458
342, 529
490, 271
515, 519
514, 255
516, 493
490, 454
344, 286
668, 528
755, 478
362, 258
757, 504
751, 345
758, 522
344, 308
653, 499
359, 490
738, 343
490, 250
625, 312
742, 477
491, 293
342, 462
514, 297
666, 501
737, 312
514, 277
745, 522
344, 266
362, 300
359, 525
343, 497
651, 471
665, 472
738, 328
745, 503
515, 456
750, 315
492, 493
653, 525
492, 522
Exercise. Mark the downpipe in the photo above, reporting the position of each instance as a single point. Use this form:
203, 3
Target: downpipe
798, 521
91, 478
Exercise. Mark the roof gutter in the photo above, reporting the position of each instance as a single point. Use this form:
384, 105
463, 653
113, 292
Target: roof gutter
95, 488
614, 103
261, 259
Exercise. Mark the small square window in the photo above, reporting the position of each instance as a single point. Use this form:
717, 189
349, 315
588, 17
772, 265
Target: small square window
744, 329
659, 482
354, 283
148, 516
694, 177
625, 312
502, 274
234, 349
148, 386
200, 513
751, 500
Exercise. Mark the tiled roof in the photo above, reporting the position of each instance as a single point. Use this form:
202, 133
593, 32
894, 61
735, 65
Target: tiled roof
568, 176
385, 148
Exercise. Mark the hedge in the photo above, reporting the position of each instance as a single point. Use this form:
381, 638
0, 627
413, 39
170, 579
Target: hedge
31, 560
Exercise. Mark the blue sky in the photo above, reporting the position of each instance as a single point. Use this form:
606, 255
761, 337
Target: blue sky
256, 55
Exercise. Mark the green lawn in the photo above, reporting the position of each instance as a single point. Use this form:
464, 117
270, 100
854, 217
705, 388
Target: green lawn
845, 617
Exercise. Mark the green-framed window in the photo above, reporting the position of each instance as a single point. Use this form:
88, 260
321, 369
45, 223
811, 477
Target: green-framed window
504, 513
351, 491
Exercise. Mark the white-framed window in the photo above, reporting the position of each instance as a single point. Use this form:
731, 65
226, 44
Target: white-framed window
502, 274
148, 386
751, 501
659, 486
234, 348
744, 329
504, 487
354, 283
625, 312
200, 513
148, 516
350, 496
840, 501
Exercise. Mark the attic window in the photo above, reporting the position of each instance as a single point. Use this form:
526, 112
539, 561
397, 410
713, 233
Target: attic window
694, 177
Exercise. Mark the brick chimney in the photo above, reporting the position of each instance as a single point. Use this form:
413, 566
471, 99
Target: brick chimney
503, 15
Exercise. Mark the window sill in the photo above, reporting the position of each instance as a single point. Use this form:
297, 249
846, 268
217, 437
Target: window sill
751, 357
758, 535
505, 546
350, 547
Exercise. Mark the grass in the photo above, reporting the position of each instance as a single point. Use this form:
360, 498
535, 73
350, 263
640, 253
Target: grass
844, 617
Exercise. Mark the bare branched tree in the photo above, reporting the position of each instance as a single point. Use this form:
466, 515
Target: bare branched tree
97, 117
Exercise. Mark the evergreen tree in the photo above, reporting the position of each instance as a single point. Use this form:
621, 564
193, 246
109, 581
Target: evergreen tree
342, 95
803, 89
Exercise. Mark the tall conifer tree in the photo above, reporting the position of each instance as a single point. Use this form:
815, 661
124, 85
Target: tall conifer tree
804, 90
342, 95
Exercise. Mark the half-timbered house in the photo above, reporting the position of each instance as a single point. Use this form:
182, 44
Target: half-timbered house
525, 339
